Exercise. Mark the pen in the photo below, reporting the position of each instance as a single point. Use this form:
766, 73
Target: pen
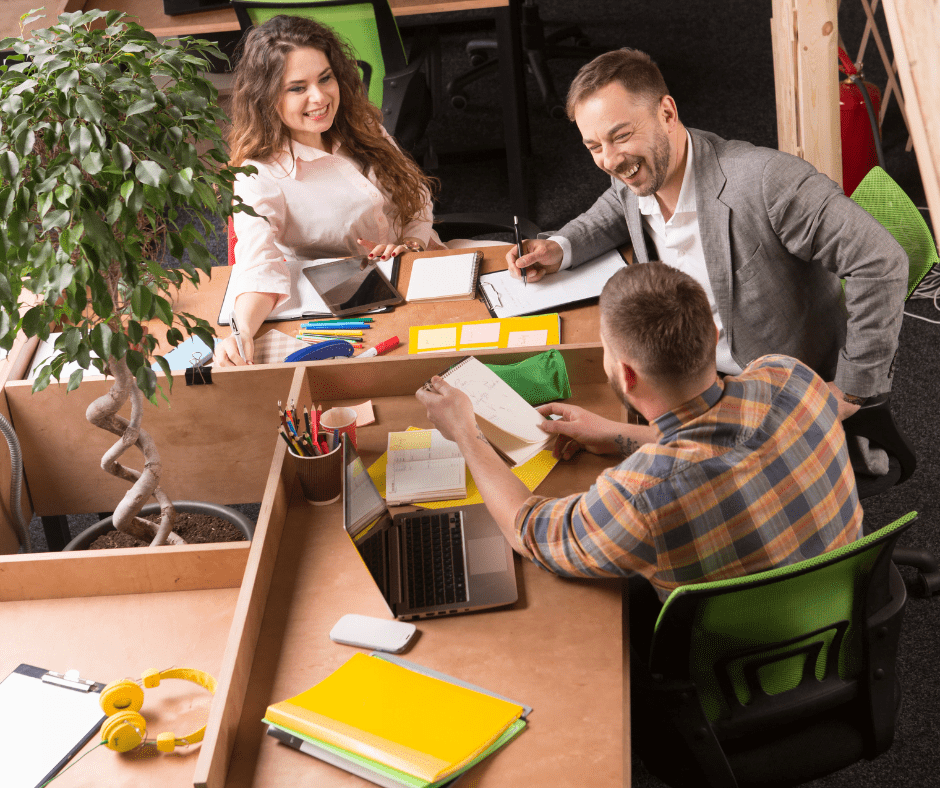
237, 335
337, 320
379, 349
333, 326
335, 332
515, 222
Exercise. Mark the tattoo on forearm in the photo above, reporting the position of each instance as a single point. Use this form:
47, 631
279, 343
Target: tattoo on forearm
626, 445
481, 436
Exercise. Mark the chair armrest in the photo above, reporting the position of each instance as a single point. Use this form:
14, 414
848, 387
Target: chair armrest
469, 225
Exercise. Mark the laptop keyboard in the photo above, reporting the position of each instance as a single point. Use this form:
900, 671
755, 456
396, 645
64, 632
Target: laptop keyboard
434, 547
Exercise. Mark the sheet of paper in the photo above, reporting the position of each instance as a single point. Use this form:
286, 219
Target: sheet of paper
509, 297
438, 338
480, 333
40, 725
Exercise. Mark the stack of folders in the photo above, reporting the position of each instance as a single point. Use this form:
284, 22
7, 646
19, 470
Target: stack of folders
424, 466
394, 723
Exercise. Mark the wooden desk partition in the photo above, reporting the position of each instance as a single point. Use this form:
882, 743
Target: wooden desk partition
559, 649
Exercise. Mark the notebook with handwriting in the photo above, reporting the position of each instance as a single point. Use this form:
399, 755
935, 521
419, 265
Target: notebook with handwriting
508, 422
423, 466
451, 278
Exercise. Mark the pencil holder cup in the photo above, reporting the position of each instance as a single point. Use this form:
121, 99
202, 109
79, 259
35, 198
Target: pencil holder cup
321, 478
337, 422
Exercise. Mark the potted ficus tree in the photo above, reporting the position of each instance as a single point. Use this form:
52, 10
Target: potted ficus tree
110, 145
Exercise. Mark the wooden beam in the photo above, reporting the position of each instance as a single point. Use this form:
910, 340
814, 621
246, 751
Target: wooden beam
805, 36
914, 27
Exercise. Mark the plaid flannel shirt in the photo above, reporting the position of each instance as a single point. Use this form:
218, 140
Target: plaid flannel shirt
752, 474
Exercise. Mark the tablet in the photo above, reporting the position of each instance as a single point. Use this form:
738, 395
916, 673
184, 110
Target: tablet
352, 286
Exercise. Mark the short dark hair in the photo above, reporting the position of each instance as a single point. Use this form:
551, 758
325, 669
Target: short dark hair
660, 318
633, 69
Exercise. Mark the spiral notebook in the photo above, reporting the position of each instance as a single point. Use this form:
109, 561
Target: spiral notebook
451, 278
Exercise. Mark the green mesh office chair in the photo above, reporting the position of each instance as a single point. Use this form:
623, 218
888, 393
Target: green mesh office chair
775, 678
395, 81
880, 196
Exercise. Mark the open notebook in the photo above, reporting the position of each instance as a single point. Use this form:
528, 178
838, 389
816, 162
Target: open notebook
304, 300
510, 424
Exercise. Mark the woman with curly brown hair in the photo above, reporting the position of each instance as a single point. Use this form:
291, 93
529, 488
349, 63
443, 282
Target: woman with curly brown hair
330, 181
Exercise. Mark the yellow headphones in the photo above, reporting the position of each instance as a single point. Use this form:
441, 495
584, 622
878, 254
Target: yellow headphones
121, 700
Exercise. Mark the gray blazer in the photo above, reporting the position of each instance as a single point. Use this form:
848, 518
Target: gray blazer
778, 236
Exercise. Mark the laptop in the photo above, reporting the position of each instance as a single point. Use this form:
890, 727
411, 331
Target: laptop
432, 562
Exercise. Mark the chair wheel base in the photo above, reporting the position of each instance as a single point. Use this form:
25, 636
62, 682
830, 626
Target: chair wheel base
458, 101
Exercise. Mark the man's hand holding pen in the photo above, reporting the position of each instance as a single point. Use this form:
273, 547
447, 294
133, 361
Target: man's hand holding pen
541, 257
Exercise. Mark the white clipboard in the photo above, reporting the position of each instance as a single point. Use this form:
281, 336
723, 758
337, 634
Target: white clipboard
508, 297
45, 718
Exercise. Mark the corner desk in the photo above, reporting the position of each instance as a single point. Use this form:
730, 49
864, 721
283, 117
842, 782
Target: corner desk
257, 616
149, 14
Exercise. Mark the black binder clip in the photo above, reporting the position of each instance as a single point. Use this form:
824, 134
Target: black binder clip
200, 373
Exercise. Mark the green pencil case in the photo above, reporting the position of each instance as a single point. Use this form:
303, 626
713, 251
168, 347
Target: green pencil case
538, 379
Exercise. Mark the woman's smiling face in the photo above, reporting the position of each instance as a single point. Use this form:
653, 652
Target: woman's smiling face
309, 96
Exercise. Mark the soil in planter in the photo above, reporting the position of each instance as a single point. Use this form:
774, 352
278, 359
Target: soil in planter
194, 528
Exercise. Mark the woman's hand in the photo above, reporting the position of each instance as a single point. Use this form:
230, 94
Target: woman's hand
381, 251
227, 355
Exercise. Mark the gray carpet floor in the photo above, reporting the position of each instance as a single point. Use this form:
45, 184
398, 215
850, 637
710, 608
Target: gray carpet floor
716, 58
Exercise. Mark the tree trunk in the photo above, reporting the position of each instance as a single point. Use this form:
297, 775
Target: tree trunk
103, 413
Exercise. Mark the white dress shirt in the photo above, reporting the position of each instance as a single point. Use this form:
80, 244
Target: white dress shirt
679, 244
316, 205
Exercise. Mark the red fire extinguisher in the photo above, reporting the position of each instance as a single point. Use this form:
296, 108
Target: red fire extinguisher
859, 103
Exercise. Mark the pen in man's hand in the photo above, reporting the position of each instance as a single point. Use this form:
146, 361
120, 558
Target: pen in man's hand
515, 221
237, 335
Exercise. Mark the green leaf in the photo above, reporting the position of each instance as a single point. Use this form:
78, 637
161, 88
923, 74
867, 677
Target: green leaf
71, 338
163, 310
9, 165
6, 292
89, 108
75, 380
24, 142
66, 80
54, 219
32, 320
100, 337
146, 380
80, 142
165, 367
135, 332
150, 173
141, 302
93, 163
143, 105
42, 379
123, 158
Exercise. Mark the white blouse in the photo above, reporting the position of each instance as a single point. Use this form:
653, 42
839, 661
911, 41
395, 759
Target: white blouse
316, 204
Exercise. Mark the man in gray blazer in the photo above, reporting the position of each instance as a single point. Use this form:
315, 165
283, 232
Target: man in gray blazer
766, 235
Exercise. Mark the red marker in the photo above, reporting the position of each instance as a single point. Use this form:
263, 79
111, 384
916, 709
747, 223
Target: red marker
379, 349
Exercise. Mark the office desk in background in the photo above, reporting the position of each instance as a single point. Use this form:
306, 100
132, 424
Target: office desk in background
505, 13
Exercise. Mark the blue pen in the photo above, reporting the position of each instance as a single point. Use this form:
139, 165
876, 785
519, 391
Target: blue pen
335, 439
336, 325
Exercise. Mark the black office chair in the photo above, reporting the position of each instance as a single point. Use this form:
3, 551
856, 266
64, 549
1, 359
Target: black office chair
776, 678
538, 48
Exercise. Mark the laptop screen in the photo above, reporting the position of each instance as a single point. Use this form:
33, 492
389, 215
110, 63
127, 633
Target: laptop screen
366, 517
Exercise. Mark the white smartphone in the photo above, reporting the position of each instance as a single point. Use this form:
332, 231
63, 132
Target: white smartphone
376, 633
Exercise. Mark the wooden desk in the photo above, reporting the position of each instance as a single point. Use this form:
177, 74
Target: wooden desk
149, 14
560, 648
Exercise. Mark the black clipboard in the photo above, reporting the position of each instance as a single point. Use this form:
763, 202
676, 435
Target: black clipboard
45, 718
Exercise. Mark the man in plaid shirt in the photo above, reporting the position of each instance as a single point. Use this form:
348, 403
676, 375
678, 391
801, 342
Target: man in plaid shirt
731, 477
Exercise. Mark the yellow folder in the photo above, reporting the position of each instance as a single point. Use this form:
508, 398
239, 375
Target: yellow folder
421, 725
530, 331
